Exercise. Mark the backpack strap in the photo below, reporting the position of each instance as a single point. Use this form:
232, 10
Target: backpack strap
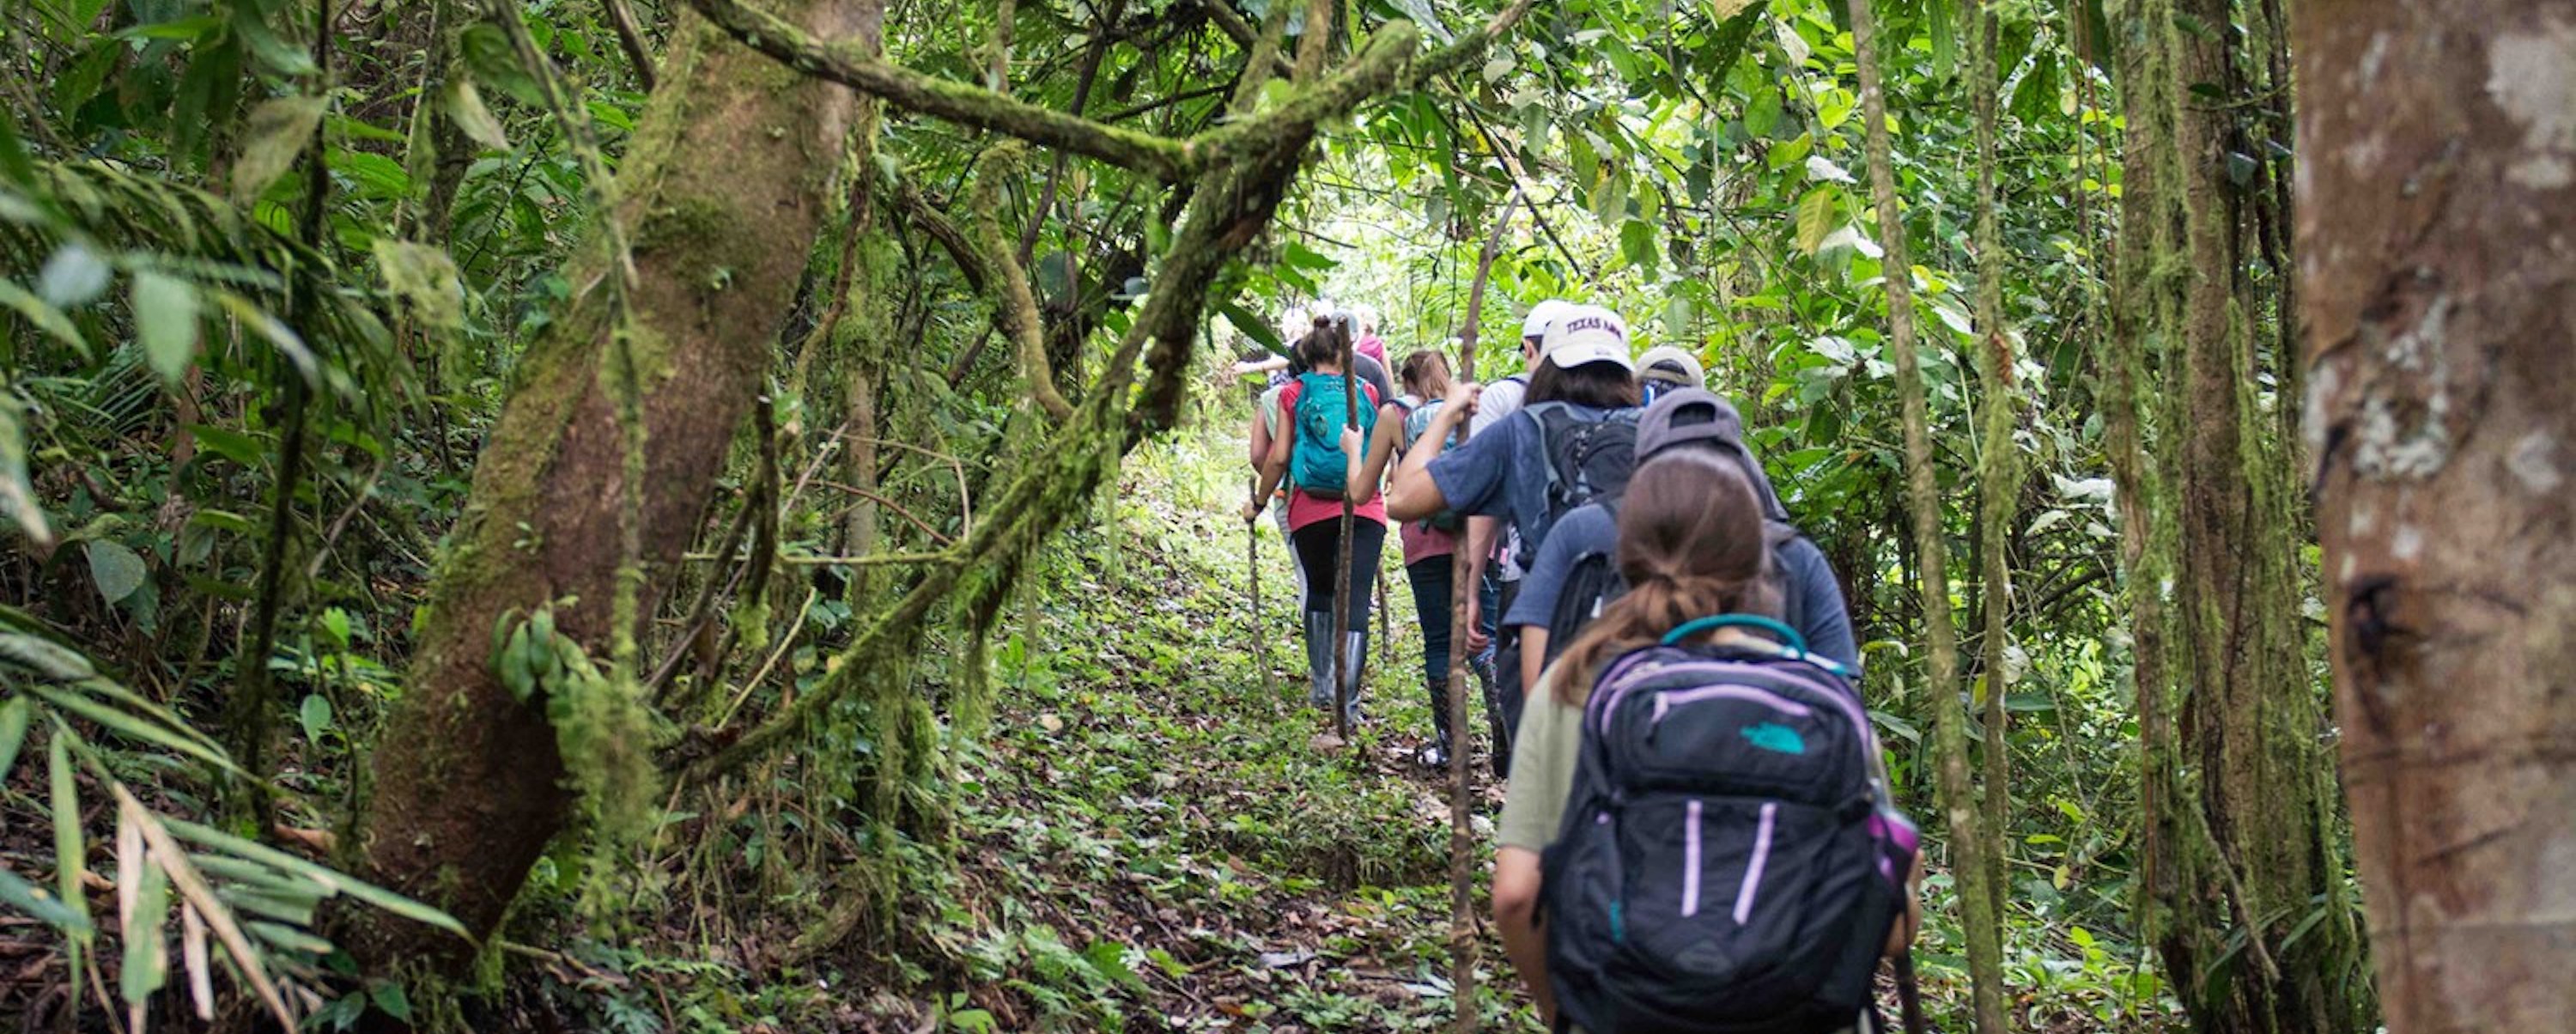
1786, 634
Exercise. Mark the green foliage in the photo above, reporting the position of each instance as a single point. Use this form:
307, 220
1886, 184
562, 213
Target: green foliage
949, 832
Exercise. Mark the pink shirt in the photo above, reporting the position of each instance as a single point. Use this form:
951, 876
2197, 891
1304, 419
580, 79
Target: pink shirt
1373, 347
1305, 508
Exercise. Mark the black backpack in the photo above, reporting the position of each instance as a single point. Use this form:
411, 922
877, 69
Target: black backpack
1586, 458
1593, 582
1730, 862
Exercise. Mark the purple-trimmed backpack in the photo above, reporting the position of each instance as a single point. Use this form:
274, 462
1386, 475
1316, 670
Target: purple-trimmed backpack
1730, 861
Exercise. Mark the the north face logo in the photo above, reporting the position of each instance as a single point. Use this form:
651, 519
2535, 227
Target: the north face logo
1780, 738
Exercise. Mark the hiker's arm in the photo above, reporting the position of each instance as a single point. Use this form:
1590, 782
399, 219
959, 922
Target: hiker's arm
1275, 467
1367, 473
1533, 657
1260, 436
1259, 366
1478, 551
1902, 935
1516, 886
1414, 495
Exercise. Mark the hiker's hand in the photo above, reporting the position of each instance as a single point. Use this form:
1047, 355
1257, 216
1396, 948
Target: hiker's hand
1462, 398
1351, 443
1251, 510
1476, 637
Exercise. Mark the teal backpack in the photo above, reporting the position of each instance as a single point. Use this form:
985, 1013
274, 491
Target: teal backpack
1417, 422
1323, 409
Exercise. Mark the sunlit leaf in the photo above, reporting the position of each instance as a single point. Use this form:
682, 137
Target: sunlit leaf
165, 318
74, 276
274, 134
1817, 210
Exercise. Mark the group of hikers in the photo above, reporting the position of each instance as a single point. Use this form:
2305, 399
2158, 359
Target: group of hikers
1668, 665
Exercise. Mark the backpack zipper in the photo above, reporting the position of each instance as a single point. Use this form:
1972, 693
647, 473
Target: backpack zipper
1752, 869
1690, 863
1666, 700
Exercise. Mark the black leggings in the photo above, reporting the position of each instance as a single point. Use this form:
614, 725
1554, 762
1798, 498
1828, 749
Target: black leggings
1319, 550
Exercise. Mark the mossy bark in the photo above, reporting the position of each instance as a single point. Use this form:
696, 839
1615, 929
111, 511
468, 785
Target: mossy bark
723, 192
2249, 892
1959, 803
1999, 467
2437, 183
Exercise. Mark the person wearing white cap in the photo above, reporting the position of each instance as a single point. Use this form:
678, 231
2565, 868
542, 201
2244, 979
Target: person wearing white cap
1574, 436
1495, 549
1665, 368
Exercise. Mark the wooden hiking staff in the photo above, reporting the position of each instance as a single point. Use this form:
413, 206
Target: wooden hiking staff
1462, 834
1909, 996
1252, 563
1344, 664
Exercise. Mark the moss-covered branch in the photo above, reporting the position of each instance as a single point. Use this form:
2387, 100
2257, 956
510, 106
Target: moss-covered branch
1015, 309
975, 106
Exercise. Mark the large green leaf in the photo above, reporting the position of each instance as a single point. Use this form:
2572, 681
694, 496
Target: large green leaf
115, 569
165, 318
1817, 211
274, 134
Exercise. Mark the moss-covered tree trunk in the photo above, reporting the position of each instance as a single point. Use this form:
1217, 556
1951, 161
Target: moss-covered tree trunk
2248, 912
2436, 192
722, 194
1959, 802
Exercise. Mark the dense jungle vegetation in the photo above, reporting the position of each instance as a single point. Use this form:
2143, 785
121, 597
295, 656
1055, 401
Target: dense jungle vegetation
719, 515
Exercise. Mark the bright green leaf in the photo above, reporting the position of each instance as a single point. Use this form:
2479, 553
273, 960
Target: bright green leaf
315, 716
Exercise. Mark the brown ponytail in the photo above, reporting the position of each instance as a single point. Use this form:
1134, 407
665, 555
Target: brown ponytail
1690, 545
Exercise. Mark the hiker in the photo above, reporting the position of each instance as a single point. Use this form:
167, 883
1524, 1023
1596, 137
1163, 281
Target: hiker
1364, 320
1664, 368
1265, 427
1308, 452
1490, 543
1725, 753
1572, 436
1574, 575
1430, 543
1370, 371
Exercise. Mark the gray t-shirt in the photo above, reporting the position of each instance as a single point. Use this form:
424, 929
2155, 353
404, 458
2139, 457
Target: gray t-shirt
1814, 605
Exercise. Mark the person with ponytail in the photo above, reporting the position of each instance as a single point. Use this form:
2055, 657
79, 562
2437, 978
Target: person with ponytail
1315, 510
1690, 545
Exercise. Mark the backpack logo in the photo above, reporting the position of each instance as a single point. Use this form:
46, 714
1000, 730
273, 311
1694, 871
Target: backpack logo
1778, 738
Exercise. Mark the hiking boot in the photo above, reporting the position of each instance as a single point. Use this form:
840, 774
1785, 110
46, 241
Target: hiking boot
1319, 661
1355, 663
1432, 756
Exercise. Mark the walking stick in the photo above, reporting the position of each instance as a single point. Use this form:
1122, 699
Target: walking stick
1252, 563
1462, 836
1909, 997
1343, 662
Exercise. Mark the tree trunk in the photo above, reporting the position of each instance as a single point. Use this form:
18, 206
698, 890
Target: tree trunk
1959, 801
2434, 204
2245, 881
723, 194
1999, 471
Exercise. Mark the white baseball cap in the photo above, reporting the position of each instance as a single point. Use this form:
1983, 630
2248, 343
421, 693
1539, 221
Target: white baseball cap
1690, 373
1586, 334
1540, 315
